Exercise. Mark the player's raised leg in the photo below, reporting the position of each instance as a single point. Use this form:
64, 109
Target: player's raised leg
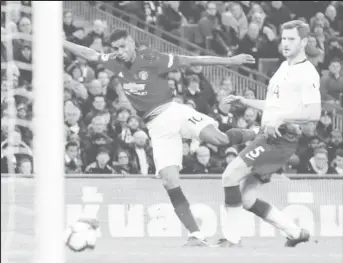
211, 134
268, 212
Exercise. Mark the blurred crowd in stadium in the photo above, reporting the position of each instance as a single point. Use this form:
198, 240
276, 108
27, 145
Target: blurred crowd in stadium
103, 134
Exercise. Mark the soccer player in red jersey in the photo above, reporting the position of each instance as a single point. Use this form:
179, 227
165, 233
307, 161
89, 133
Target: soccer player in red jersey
141, 75
293, 99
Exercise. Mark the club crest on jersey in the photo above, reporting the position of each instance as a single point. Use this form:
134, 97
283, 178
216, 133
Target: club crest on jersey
143, 75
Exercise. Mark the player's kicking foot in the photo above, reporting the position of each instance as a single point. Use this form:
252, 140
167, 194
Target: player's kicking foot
304, 237
222, 242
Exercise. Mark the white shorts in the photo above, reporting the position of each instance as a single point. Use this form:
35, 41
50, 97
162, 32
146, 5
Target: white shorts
169, 127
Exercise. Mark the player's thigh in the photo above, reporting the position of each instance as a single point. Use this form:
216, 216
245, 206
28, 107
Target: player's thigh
266, 156
167, 148
194, 122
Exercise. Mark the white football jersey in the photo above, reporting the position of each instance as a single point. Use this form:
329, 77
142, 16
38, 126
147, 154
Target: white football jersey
290, 89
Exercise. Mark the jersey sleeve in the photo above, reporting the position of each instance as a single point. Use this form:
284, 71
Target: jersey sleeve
309, 88
109, 62
163, 62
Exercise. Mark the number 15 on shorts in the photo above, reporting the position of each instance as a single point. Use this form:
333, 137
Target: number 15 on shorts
253, 154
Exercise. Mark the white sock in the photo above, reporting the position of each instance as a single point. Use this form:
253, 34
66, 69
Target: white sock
281, 221
197, 235
233, 226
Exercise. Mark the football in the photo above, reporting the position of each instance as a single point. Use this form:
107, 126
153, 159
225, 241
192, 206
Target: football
82, 234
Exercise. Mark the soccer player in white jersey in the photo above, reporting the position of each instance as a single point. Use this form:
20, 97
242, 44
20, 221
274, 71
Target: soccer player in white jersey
293, 99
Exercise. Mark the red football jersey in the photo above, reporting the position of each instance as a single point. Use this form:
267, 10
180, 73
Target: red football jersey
144, 83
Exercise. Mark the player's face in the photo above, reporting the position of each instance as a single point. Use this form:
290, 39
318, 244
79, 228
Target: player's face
124, 48
291, 43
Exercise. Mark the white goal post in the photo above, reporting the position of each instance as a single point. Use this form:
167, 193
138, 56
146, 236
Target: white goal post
47, 50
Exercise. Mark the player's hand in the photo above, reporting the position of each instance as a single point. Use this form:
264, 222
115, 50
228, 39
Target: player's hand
272, 131
242, 59
233, 99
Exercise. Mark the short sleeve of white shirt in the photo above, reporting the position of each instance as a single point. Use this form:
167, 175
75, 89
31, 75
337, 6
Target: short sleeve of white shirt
309, 85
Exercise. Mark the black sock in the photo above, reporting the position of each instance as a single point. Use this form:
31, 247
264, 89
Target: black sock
260, 208
233, 196
182, 210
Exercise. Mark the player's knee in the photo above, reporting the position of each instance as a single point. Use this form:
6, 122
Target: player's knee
249, 191
212, 135
235, 172
170, 177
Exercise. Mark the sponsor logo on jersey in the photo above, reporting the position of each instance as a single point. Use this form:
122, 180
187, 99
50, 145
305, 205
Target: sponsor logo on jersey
143, 75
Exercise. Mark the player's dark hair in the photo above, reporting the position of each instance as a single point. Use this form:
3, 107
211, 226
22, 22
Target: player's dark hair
302, 28
118, 34
71, 144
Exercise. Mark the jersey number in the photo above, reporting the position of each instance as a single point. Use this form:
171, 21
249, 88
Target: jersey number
276, 91
195, 120
253, 154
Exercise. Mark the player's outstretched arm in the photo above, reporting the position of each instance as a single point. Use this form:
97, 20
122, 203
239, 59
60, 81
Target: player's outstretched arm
256, 104
213, 60
81, 51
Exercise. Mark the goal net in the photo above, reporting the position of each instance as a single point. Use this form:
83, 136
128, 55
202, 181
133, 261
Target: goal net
32, 131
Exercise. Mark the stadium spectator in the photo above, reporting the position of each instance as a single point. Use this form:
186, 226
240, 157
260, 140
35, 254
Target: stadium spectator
331, 85
223, 115
73, 163
201, 164
101, 165
324, 126
314, 52
235, 21
194, 93
141, 154
335, 143
171, 18
260, 44
25, 167
318, 164
78, 36
123, 163
230, 154
278, 14
68, 24
338, 163
97, 32
204, 85
193, 10
210, 30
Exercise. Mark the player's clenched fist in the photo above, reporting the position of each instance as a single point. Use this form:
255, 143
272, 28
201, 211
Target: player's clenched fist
243, 59
233, 99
